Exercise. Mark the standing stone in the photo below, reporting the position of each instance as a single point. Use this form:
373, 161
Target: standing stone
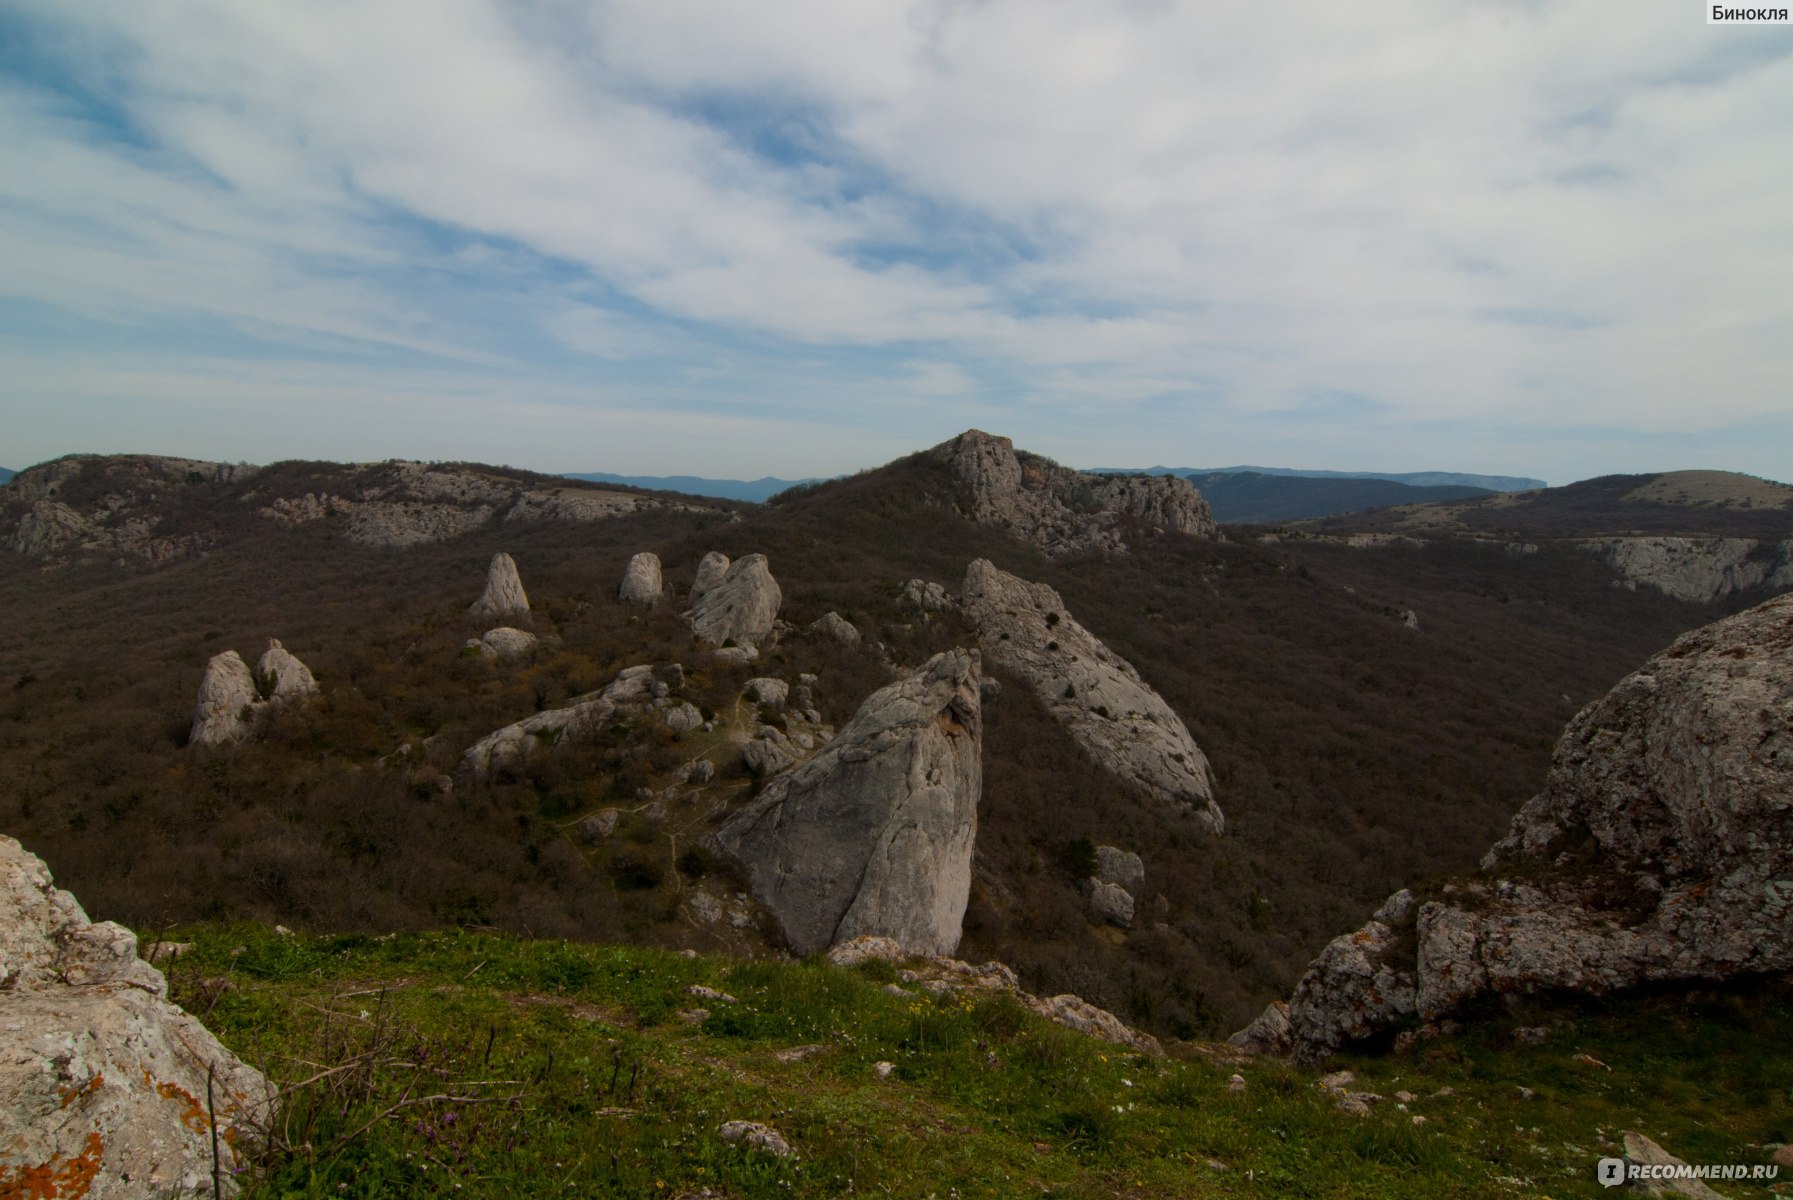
282, 676
740, 606
103, 1082
226, 694
642, 583
710, 571
874, 834
504, 596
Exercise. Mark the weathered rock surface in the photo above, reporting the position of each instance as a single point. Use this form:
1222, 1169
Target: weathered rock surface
873, 835
949, 976
503, 642
1124, 726
642, 583
1661, 849
226, 697
283, 677
503, 595
1109, 902
1062, 511
633, 686
710, 570
755, 1136
1696, 568
767, 692
740, 605
103, 1081
123, 519
924, 596
833, 625
1123, 868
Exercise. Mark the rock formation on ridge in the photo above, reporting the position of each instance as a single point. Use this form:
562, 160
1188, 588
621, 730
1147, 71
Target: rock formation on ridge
231, 697
103, 1082
1062, 511
504, 595
1661, 849
874, 834
1125, 726
642, 582
738, 604
1698, 568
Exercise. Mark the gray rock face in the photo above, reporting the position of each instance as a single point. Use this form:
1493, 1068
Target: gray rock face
873, 835
226, 696
283, 677
504, 642
642, 583
579, 718
740, 605
1698, 569
924, 596
504, 595
102, 1080
1122, 868
767, 691
1062, 511
710, 570
835, 626
1111, 712
1661, 849
1109, 902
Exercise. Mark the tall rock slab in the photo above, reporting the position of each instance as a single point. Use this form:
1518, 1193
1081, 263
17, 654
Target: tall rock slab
282, 676
710, 570
104, 1082
873, 835
739, 605
226, 699
1660, 850
642, 582
1098, 697
504, 595
1062, 511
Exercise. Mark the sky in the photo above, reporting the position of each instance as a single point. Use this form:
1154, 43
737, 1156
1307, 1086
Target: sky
803, 237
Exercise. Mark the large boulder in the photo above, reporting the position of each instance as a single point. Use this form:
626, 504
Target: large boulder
642, 583
710, 570
1660, 850
740, 606
1124, 726
504, 595
226, 698
578, 718
873, 835
107, 1090
503, 642
282, 676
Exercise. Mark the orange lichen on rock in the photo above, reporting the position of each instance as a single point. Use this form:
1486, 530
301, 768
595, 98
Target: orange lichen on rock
193, 1115
57, 1179
71, 1094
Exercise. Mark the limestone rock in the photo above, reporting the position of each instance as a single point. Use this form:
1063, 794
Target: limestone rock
1074, 1012
865, 948
1109, 902
1062, 511
509, 746
102, 1080
924, 596
504, 596
226, 696
1640, 1149
283, 677
736, 656
1122, 868
682, 717
740, 606
767, 692
769, 752
642, 583
1660, 850
504, 642
1698, 569
1270, 1033
1124, 726
710, 571
833, 625
755, 1136
873, 835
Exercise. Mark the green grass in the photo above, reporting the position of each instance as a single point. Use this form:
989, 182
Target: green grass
581, 1070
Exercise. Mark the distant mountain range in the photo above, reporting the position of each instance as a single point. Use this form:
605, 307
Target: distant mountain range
755, 490
1488, 483
6, 475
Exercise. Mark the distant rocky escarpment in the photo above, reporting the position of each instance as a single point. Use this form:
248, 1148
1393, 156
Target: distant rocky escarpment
873, 835
153, 510
1062, 511
1120, 721
1661, 849
1699, 569
106, 1088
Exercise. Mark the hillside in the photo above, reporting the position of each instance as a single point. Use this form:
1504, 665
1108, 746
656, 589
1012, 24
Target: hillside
1334, 729
1488, 483
1247, 497
6, 475
752, 490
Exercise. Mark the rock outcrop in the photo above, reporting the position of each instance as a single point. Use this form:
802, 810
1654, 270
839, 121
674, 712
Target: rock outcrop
1124, 726
103, 1082
833, 625
873, 835
231, 698
1062, 511
1660, 850
507, 747
503, 595
502, 642
108, 506
1698, 569
737, 603
282, 677
642, 582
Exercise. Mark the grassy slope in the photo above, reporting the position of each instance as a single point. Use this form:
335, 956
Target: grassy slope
578, 1076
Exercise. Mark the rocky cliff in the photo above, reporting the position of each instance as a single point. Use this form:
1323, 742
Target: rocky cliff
873, 835
1696, 568
1062, 511
1098, 697
107, 1090
1661, 849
